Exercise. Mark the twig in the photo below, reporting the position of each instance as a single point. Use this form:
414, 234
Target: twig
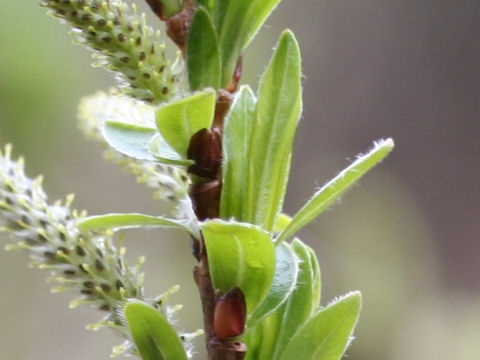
205, 149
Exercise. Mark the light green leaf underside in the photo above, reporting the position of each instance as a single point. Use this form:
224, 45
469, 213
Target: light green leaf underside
327, 334
303, 301
179, 120
284, 282
278, 112
130, 140
236, 143
164, 153
139, 142
238, 21
336, 187
240, 255
154, 337
203, 53
130, 221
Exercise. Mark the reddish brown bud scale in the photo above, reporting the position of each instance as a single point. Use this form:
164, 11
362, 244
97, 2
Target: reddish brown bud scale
178, 26
206, 199
230, 313
206, 150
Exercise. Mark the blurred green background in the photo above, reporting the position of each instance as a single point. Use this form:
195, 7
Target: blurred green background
407, 236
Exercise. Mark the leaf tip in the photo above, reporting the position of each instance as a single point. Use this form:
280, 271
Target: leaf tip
388, 143
354, 297
287, 33
288, 37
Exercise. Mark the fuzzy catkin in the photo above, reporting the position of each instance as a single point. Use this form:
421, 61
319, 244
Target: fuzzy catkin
88, 264
123, 43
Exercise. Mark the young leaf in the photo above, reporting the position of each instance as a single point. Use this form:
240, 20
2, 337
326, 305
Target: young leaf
284, 282
178, 121
240, 255
130, 221
203, 53
301, 304
282, 222
238, 22
254, 339
219, 11
129, 139
336, 187
316, 275
154, 337
278, 112
136, 141
327, 334
236, 143
164, 153
208, 4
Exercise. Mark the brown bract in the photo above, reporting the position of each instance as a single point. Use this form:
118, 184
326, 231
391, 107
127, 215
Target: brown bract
206, 150
178, 26
230, 314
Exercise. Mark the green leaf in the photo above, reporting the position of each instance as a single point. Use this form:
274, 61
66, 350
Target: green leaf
164, 153
327, 334
130, 140
301, 304
336, 187
219, 12
208, 4
253, 338
203, 53
316, 283
236, 143
154, 337
178, 121
278, 112
240, 255
130, 221
136, 141
284, 282
282, 222
238, 22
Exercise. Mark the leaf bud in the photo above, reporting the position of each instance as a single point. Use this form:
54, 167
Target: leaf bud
230, 313
206, 150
